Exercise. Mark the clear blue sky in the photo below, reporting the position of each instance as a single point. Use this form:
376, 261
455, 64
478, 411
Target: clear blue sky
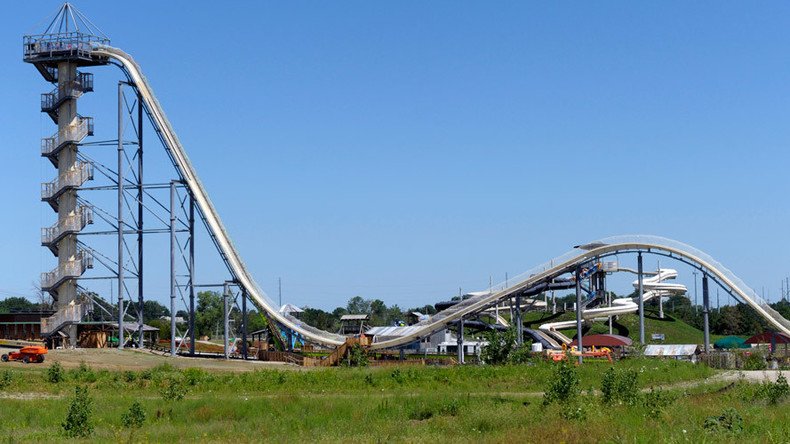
402, 150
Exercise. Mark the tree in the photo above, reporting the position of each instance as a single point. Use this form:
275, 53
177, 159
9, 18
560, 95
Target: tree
14, 303
208, 313
154, 310
358, 305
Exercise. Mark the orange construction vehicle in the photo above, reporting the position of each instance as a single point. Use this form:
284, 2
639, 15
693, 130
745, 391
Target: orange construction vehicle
29, 354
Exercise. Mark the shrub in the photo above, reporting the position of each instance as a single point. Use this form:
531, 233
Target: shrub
55, 373
730, 421
135, 417
656, 401
620, 386
5, 379
84, 373
194, 376
754, 361
773, 392
499, 346
172, 388
129, 376
78, 419
563, 386
397, 375
358, 357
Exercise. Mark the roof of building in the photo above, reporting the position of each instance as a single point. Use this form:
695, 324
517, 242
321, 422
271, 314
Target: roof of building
769, 337
355, 317
604, 340
671, 349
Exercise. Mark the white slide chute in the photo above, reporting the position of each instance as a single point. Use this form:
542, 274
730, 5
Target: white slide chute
437, 322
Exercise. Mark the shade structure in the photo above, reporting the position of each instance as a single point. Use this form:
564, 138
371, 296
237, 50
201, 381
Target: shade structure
604, 340
769, 337
731, 342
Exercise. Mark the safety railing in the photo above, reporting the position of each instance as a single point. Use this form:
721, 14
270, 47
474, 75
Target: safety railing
74, 178
74, 133
71, 269
63, 45
66, 315
72, 223
67, 90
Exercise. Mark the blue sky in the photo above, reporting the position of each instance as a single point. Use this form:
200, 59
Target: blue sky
403, 150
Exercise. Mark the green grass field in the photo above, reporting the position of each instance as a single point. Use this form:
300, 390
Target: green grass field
474, 403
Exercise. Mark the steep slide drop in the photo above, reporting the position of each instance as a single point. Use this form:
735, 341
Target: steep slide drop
544, 273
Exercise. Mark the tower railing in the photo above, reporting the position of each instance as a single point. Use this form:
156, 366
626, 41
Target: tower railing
82, 128
71, 269
62, 45
68, 90
72, 223
74, 178
69, 314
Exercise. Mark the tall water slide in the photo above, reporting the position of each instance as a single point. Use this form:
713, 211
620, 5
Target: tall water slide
485, 300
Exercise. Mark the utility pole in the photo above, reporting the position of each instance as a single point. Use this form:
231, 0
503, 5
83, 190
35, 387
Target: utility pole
705, 310
280, 290
580, 348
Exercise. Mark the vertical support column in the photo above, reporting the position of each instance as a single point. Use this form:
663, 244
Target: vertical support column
519, 324
641, 296
460, 341
244, 323
120, 216
140, 286
579, 314
705, 312
608, 300
191, 275
225, 317
173, 268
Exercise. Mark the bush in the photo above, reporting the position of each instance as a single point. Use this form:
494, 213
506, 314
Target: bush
194, 376
754, 361
564, 386
78, 419
730, 421
55, 373
84, 373
358, 357
656, 401
773, 392
619, 386
5, 379
500, 344
135, 417
172, 388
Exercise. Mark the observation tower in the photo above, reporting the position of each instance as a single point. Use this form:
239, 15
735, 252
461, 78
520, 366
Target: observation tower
58, 53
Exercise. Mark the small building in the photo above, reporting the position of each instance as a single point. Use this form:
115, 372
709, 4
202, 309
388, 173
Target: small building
23, 325
415, 317
684, 352
353, 324
291, 309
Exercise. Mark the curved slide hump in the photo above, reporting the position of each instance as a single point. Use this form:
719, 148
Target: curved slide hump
469, 306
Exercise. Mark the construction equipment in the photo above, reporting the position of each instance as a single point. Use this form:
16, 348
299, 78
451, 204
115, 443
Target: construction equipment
27, 355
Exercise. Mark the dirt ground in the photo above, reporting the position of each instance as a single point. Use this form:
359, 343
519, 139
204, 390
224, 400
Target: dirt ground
131, 359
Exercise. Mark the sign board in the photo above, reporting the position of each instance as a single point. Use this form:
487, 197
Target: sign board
657, 336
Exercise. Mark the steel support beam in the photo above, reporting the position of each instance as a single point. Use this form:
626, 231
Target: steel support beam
460, 341
191, 275
173, 199
140, 208
519, 324
705, 312
244, 323
579, 313
641, 278
226, 318
120, 216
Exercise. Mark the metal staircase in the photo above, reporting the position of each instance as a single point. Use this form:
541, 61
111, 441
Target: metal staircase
73, 223
73, 268
71, 179
73, 134
74, 89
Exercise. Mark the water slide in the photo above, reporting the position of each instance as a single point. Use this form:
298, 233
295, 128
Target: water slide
653, 286
541, 274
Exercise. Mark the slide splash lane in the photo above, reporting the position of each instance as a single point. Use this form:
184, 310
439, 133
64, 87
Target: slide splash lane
555, 268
